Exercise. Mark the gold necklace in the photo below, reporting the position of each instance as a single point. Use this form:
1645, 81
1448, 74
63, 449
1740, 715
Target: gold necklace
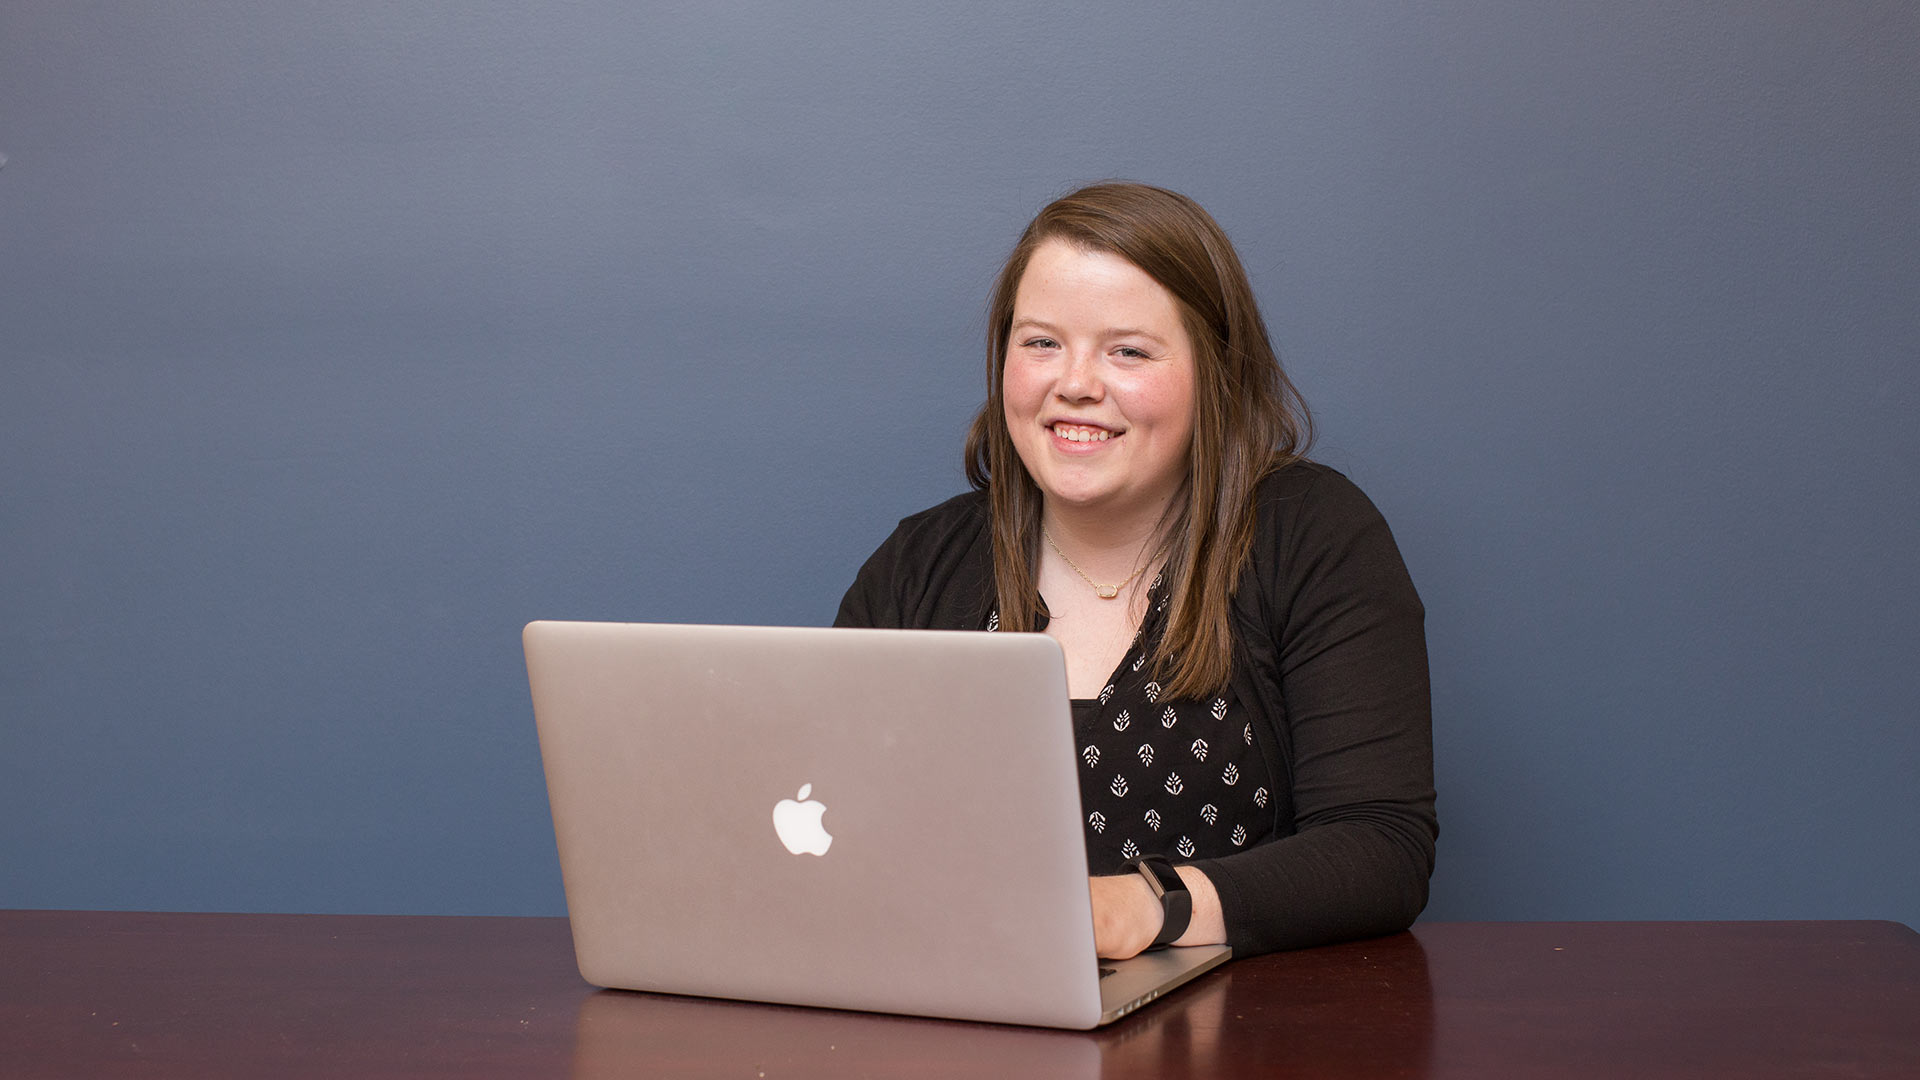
1105, 592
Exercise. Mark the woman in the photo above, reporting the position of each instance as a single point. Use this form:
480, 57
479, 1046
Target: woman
1244, 648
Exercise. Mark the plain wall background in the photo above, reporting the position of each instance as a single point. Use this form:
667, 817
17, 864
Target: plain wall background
337, 343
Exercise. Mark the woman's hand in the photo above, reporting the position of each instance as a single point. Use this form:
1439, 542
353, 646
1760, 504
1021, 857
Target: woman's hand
1127, 916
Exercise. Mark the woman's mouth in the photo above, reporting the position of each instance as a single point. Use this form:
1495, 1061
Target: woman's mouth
1081, 433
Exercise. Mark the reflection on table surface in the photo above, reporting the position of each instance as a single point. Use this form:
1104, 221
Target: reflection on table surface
1217, 1025
209, 995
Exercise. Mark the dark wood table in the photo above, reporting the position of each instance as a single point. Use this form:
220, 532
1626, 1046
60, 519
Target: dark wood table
128, 994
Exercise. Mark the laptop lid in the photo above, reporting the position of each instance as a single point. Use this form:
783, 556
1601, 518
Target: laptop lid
883, 820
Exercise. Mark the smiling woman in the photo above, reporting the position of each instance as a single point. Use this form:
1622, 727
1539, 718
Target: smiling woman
1244, 647
1099, 389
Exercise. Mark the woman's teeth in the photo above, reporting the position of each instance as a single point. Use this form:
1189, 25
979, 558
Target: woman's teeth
1082, 434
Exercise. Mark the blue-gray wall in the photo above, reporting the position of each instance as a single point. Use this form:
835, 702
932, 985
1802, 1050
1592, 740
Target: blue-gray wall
339, 340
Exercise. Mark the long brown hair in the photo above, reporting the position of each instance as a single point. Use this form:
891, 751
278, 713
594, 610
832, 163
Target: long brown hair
1248, 420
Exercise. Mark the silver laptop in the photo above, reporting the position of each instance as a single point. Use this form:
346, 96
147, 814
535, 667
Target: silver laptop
886, 820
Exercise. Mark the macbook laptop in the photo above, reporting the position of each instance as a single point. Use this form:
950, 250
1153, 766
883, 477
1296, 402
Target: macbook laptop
884, 820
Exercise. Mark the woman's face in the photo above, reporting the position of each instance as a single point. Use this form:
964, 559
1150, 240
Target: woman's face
1098, 384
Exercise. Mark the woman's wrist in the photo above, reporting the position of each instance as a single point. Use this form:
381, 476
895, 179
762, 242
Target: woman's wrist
1207, 926
1127, 916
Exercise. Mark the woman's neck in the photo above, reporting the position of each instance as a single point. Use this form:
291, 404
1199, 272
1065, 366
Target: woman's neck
1104, 546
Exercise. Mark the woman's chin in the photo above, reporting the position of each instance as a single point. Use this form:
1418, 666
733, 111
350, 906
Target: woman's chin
1072, 500
1076, 496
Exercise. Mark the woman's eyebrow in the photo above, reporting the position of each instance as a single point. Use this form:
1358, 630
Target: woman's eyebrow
1115, 332
1034, 324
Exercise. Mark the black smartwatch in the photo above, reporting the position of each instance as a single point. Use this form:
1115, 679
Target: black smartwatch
1176, 903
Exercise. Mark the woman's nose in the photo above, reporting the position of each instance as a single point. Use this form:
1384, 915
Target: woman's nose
1081, 379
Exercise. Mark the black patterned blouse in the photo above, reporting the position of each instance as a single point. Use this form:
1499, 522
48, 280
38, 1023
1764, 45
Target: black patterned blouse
1181, 779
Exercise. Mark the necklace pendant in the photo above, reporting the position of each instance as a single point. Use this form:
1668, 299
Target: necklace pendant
1107, 592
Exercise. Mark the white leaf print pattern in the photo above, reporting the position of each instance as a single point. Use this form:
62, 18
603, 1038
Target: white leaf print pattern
1219, 708
993, 622
1185, 848
1105, 694
1199, 749
1153, 820
1146, 754
1092, 754
1239, 835
1168, 719
1174, 784
1210, 813
1129, 850
1260, 798
1139, 661
1153, 692
1119, 785
1230, 775
1120, 722
1247, 734
1097, 821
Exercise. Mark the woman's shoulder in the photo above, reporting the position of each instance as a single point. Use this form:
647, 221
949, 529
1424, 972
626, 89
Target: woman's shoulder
932, 572
963, 510
1315, 525
959, 521
1303, 490
939, 533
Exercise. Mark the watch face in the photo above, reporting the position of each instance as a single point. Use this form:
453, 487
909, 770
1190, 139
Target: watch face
1161, 877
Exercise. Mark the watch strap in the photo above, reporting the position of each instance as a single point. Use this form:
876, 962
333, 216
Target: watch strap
1176, 903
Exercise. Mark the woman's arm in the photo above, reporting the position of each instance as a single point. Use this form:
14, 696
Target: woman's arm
1334, 642
1127, 916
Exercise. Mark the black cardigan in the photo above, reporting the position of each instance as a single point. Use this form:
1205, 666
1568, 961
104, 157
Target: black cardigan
1330, 652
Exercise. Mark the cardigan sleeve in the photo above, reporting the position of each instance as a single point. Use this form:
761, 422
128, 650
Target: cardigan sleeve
1333, 653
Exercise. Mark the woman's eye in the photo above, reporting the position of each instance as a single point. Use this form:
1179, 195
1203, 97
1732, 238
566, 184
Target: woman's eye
1039, 343
1131, 353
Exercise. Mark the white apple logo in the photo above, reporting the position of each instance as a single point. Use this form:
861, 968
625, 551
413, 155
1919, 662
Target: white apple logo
798, 823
